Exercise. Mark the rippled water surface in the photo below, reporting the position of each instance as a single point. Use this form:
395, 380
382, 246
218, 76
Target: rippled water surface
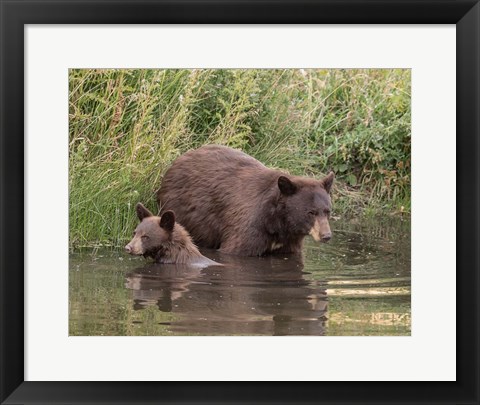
357, 284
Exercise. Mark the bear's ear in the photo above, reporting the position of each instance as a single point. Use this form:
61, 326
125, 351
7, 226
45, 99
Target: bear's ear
142, 212
167, 221
328, 181
286, 185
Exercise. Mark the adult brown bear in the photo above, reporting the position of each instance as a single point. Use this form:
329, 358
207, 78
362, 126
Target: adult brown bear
230, 201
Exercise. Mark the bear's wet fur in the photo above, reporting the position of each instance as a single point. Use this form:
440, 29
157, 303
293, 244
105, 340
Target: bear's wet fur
230, 201
164, 240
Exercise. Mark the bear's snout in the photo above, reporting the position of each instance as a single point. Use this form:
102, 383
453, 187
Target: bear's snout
134, 247
326, 237
321, 230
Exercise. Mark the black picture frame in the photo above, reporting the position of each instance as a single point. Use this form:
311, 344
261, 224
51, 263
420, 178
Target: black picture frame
16, 14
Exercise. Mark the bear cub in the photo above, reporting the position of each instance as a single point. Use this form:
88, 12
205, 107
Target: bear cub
164, 240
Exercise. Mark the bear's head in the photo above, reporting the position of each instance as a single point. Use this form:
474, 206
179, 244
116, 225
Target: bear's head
307, 205
151, 233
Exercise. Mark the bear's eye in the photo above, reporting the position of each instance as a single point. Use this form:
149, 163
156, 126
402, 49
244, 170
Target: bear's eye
313, 212
326, 212
145, 237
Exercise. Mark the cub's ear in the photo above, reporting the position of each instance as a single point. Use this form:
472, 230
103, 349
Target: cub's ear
142, 212
286, 185
167, 221
328, 181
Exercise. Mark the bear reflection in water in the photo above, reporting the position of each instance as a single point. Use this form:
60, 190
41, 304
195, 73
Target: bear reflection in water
247, 296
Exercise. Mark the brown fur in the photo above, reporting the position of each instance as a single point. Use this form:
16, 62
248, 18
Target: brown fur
165, 240
230, 201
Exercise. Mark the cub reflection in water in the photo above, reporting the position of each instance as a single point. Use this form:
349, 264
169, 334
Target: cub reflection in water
246, 296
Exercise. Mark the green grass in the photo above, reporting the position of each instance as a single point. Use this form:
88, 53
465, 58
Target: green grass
127, 126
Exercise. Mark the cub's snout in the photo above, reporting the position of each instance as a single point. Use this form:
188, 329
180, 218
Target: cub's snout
135, 247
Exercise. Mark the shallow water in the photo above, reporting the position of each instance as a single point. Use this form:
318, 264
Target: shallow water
357, 284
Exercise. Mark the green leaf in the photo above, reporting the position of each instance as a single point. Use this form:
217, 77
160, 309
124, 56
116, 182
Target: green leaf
352, 179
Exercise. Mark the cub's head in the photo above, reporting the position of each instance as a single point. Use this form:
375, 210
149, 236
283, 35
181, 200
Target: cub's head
307, 205
151, 233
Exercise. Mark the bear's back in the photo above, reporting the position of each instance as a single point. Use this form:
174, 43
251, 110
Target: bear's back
213, 190
212, 157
